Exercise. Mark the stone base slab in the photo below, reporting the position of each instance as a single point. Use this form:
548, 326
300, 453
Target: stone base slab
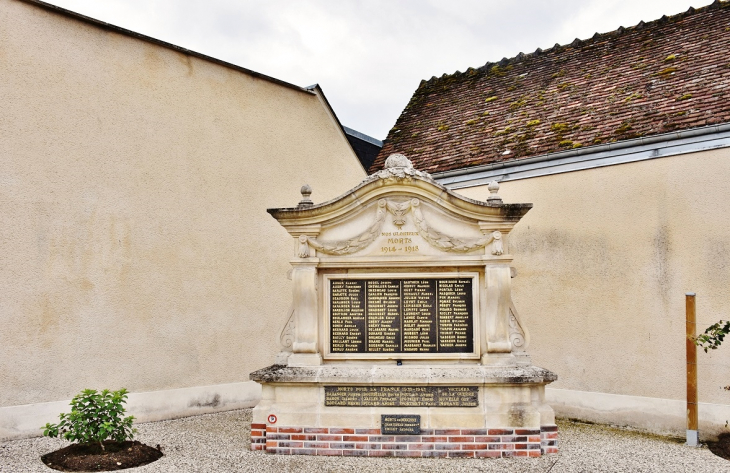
436, 443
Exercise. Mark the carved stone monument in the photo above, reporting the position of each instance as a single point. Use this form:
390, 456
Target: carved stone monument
402, 339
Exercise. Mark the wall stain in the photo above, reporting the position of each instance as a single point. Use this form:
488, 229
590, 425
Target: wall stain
662, 251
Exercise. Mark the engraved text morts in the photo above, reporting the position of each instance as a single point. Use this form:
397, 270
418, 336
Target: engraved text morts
402, 338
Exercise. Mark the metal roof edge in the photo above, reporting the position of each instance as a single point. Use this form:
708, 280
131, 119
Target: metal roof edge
637, 149
363, 136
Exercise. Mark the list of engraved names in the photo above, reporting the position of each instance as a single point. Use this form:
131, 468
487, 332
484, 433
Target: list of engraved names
428, 315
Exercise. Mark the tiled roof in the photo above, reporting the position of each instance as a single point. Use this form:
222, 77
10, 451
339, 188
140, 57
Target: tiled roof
666, 75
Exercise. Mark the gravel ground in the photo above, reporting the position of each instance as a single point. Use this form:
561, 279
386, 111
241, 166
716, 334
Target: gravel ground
219, 443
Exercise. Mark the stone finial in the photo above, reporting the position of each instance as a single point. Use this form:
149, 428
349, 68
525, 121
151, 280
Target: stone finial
494, 198
398, 161
306, 192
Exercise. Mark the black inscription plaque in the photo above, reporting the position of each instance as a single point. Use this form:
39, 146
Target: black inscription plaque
401, 396
429, 315
400, 424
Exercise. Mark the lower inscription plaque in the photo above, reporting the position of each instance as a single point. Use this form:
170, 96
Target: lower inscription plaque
400, 424
401, 396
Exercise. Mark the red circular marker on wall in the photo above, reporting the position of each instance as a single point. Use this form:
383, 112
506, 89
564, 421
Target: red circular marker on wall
272, 419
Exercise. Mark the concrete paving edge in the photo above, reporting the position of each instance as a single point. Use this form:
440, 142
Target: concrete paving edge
25, 421
655, 415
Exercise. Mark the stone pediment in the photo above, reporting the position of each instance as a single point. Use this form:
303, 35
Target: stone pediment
400, 211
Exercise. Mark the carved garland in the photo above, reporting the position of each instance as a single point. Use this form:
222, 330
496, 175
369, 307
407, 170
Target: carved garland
399, 209
345, 247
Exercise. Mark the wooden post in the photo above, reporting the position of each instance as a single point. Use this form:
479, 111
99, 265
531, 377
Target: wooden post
692, 420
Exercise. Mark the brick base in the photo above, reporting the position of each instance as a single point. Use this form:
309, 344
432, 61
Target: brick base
442, 443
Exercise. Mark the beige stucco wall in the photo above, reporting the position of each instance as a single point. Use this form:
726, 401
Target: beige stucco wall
604, 260
134, 181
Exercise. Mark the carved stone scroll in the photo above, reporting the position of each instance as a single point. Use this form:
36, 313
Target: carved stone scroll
518, 335
286, 338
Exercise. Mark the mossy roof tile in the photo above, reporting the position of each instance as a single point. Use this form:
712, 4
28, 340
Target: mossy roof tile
665, 75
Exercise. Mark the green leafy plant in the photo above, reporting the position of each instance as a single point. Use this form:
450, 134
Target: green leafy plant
713, 335
94, 417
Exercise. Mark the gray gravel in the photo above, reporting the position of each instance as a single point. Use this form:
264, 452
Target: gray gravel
219, 443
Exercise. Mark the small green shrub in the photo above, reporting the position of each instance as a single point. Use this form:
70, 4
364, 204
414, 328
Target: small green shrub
94, 417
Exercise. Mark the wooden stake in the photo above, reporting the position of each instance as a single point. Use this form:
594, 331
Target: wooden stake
692, 418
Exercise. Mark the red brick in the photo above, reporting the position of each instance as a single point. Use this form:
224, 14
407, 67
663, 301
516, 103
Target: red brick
461, 439
342, 445
303, 437
533, 438
549, 428
355, 453
498, 446
316, 445
368, 431
381, 453
354, 438
461, 454
488, 454
434, 454
304, 451
329, 438
549, 450
290, 430
534, 453
474, 446
550, 435
434, 438
279, 451
533, 446
514, 453
258, 446
271, 444
257, 433
447, 432
286, 444
258, 426
527, 431
329, 452
500, 432
277, 437
509, 438
407, 453
270, 428
446, 446
520, 446
420, 446
367, 446
337, 430
395, 446
473, 431
487, 439
316, 430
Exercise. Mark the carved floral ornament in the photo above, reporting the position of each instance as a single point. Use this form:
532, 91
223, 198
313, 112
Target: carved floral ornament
399, 210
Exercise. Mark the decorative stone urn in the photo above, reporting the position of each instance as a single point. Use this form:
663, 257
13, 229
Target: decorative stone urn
402, 339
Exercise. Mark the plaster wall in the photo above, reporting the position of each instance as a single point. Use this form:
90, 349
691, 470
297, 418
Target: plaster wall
134, 181
604, 260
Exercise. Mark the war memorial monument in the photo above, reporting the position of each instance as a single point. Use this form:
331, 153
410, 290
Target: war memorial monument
403, 339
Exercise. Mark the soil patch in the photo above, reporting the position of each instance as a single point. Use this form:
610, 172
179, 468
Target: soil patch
721, 448
90, 457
